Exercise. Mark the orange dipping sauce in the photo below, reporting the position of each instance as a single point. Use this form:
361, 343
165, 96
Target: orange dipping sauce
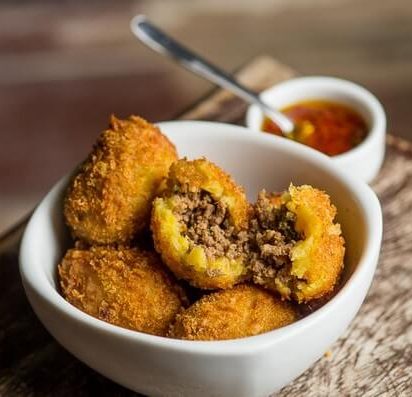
330, 127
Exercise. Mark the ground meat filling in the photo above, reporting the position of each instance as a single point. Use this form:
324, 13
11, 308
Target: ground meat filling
207, 224
273, 234
266, 245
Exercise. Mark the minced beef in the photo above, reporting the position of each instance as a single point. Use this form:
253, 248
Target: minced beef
271, 217
273, 234
266, 245
207, 224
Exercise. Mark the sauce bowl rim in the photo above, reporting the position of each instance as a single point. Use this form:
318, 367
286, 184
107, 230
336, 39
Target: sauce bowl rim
377, 123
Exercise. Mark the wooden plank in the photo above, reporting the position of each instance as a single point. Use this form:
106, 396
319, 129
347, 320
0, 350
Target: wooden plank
374, 357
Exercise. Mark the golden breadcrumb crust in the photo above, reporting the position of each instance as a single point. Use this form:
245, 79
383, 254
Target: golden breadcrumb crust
202, 174
244, 310
191, 263
126, 287
109, 200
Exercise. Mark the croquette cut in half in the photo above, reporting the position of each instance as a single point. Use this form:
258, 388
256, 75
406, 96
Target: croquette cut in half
109, 200
244, 310
124, 286
199, 225
298, 248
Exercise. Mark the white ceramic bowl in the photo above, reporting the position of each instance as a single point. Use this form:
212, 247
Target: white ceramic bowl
363, 161
254, 366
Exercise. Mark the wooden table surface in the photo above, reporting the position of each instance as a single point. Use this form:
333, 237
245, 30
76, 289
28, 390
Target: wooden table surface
66, 65
373, 358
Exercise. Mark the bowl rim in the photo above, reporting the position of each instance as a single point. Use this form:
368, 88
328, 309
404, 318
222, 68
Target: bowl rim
366, 198
377, 127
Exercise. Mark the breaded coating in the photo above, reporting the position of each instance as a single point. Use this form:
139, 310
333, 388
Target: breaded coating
202, 174
126, 287
109, 200
300, 247
244, 310
199, 225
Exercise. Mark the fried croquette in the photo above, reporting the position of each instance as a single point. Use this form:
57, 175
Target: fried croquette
126, 287
109, 200
199, 225
244, 310
299, 249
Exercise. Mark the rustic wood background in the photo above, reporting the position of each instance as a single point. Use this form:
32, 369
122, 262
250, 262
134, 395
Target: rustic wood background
66, 65
373, 358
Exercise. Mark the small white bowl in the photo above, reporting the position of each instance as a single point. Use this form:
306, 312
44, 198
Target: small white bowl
253, 366
364, 160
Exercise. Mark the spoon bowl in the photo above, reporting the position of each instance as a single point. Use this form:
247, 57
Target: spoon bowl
364, 160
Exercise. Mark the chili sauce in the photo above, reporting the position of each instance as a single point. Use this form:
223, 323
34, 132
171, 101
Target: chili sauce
330, 127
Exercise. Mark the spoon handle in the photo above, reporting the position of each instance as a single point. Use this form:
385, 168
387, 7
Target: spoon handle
164, 44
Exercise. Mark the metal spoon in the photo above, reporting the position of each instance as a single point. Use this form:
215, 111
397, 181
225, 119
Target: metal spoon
154, 38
